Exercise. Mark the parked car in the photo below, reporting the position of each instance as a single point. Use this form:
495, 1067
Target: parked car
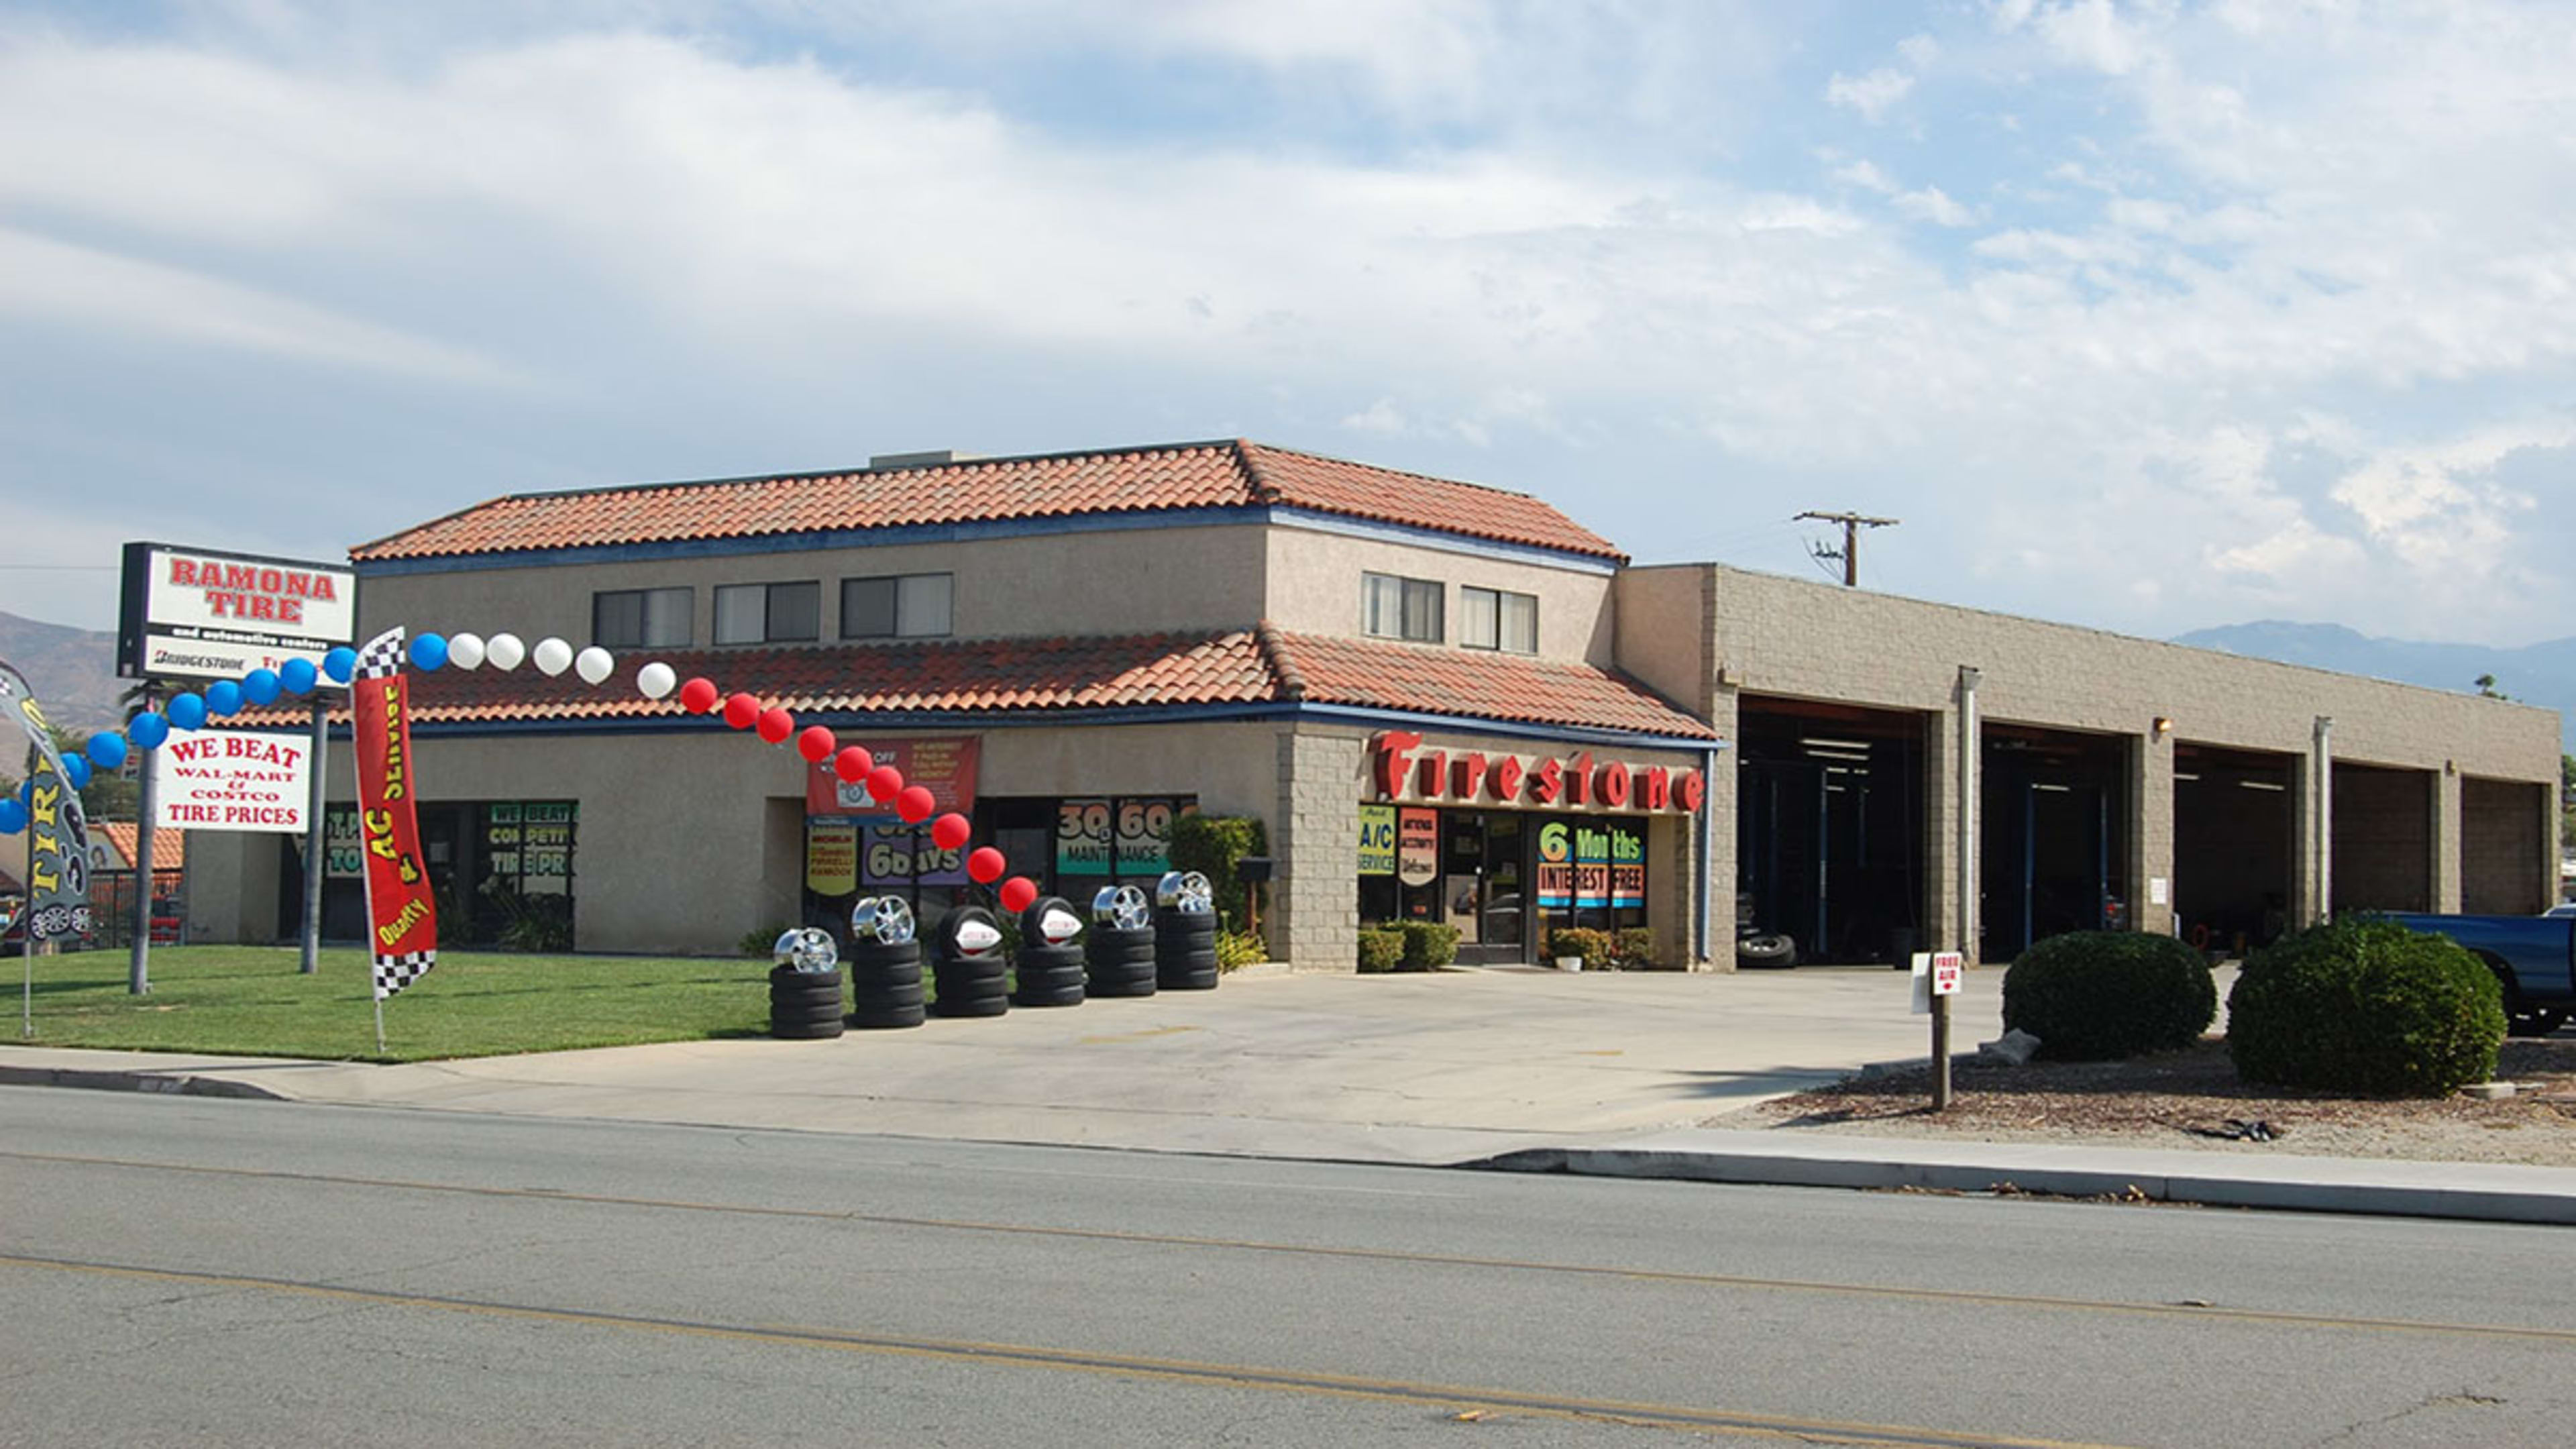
2533, 957
2563, 908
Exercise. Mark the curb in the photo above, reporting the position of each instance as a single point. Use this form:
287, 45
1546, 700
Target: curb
2502, 1205
184, 1084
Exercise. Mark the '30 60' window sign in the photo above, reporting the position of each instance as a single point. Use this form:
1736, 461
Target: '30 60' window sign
1401, 769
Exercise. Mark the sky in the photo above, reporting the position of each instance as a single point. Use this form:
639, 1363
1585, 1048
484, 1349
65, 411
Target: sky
2146, 316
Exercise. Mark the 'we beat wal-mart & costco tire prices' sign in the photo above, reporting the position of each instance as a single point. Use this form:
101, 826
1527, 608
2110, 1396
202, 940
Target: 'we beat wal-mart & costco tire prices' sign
232, 780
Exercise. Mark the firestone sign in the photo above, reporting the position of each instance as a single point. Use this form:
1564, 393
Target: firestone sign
1401, 769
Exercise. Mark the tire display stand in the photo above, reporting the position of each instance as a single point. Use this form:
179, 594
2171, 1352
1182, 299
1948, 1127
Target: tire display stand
1185, 950
804, 1005
885, 984
1048, 973
1119, 962
969, 967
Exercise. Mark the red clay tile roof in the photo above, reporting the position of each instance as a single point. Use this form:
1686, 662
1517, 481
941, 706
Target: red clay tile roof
1020, 675
1232, 474
169, 847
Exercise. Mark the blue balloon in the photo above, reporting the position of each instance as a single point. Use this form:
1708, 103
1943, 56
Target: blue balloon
223, 697
187, 711
148, 730
13, 817
340, 663
299, 676
260, 686
76, 770
106, 749
428, 651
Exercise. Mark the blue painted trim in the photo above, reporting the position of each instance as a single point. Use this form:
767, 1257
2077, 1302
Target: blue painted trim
979, 530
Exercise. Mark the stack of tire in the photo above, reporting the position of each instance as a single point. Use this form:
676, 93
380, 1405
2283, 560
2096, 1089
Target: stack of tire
805, 987
1184, 933
969, 966
885, 965
1049, 969
1118, 950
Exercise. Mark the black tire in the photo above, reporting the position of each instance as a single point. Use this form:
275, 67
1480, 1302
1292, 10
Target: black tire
1770, 950
890, 998
1119, 963
887, 1018
1060, 996
1044, 975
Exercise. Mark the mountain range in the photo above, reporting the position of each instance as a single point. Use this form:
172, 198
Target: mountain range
74, 670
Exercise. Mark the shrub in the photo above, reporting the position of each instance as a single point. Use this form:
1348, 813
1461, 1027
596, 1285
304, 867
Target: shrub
2365, 1005
1599, 949
1380, 950
2094, 996
1210, 845
1236, 949
760, 942
1634, 946
1429, 945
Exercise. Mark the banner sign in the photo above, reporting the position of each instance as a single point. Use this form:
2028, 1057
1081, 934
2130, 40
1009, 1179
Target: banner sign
527, 845
1591, 866
1627, 867
403, 918
1377, 840
1555, 883
209, 614
943, 765
1131, 837
232, 780
1417, 846
344, 852
897, 854
1400, 768
1085, 843
831, 857
57, 832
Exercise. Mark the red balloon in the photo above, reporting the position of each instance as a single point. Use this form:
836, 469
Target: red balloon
698, 696
884, 783
816, 744
851, 764
1018, 893
986, 864
950, 831
776, 725
914, 804
741, 710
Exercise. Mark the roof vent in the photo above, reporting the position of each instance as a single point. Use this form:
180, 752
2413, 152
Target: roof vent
937, 457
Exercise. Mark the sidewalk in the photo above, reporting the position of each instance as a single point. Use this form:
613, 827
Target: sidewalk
1532, 1071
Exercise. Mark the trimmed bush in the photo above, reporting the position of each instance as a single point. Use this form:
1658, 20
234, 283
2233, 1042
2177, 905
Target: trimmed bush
2093, 996
1429, 945
2365, 1005
1237, 949
1380, 950
1635, 948
1599, 949
1210, 845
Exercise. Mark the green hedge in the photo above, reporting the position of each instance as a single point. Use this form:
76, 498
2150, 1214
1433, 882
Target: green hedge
1599, 949
2094, 996
1210, 845
1429, 945
1380, 950
2365, 1005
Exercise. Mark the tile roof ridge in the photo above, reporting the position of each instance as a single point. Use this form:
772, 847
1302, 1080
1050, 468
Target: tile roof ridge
1252, 448
1274, 656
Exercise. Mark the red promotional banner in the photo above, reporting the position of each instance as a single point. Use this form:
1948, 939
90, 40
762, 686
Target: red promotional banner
944, 765
402, 918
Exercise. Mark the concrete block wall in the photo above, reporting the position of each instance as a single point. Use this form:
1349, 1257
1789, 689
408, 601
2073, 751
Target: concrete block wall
2504, 833
1315, 838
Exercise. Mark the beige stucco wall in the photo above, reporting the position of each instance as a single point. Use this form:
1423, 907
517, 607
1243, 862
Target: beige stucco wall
1314, 588
1109, 582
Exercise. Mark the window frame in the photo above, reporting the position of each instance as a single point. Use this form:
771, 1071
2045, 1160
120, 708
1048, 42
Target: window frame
1494, 607
770, 632
644, 638
1413, 598
895, 608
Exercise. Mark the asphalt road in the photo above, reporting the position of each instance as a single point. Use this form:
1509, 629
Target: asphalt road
199, 1271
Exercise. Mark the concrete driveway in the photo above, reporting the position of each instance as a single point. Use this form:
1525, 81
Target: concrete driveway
1411, 1068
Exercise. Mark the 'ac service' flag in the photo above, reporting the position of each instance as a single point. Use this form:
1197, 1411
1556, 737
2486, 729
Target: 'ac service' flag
403, 920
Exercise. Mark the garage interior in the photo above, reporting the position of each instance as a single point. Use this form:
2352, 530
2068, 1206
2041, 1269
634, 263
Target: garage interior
2054, 845
2235, 828
1830, 811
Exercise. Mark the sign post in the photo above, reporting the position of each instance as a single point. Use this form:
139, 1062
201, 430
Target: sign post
1947, 967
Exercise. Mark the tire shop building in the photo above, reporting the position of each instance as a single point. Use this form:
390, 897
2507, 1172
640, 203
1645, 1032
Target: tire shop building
1445, 702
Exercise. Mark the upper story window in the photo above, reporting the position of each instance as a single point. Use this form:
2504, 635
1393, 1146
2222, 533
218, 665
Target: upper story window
642, 618
1498, 619
1401, 608
897, 606
769, 613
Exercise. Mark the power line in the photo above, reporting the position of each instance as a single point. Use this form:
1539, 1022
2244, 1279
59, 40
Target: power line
1852, 524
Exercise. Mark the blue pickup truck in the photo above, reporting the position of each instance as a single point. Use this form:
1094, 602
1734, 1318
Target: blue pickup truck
2533, 956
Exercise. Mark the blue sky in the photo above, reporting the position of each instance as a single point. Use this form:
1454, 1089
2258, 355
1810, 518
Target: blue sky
2147, 316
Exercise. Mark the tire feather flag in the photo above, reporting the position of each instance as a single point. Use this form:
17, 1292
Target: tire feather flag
401, 914
57, 832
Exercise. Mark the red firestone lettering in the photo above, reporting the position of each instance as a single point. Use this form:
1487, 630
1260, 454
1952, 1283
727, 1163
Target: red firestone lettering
1614, 785
1693, 790
1507, 778
1548, 782
1470, 771
1435, 773
1394, 758
1656, 788
1578, 780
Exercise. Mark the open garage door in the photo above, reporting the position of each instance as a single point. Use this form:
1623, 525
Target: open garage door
2054, 843
1829, 827
2383, 839
2504, 868
2235, 828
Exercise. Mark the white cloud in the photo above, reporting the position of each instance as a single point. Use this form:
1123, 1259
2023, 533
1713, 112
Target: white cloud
1933, 205
1870, 93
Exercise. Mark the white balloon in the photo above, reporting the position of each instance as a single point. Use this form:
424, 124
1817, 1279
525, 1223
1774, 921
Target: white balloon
656, 679
504, 651
465, 651
552, 655
592, 664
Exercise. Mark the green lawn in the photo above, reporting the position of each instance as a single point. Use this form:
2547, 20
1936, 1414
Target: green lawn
251, 1001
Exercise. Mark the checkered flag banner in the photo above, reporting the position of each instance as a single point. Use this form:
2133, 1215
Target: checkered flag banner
402, 916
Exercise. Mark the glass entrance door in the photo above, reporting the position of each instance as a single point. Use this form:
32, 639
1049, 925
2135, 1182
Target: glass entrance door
1481, 884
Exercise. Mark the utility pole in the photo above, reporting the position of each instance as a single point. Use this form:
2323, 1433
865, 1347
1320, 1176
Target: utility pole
1852, 524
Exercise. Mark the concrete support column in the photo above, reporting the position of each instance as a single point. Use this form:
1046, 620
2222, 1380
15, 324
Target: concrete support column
2151, 829
1968, 841
1724, 870
1941, 778
1315, 841
2312, 885
2444, 834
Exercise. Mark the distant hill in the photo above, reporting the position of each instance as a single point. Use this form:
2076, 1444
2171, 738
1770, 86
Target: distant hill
73, 671
2541, 674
